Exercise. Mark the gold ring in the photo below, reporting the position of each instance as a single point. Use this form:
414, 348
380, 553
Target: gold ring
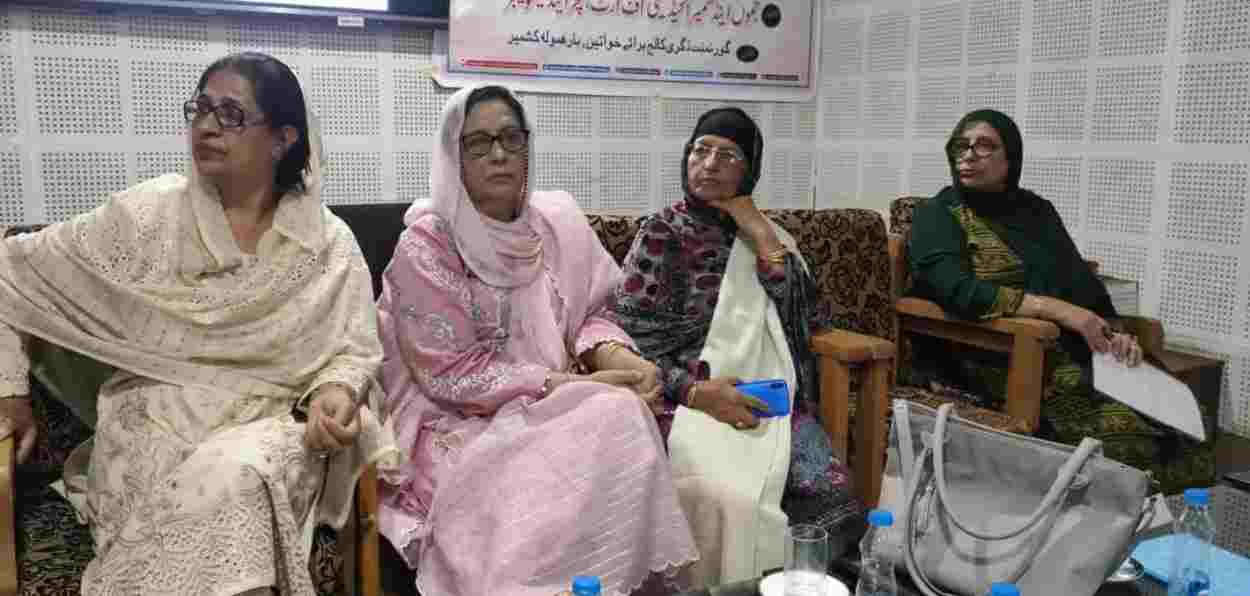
740, 424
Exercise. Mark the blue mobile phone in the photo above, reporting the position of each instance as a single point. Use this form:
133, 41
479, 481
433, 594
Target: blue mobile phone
774, 392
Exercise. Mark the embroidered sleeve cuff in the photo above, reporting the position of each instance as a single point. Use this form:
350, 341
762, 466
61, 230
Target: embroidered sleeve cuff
1006, 303
14, 363
356, 380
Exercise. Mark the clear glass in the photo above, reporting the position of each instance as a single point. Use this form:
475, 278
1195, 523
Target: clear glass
807, 558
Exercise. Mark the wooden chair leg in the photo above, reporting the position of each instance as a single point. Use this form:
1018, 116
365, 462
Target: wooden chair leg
835, 404
870, 429
368, 568
8, 521
1025, 379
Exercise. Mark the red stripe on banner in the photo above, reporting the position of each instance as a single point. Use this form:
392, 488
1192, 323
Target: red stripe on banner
500, 64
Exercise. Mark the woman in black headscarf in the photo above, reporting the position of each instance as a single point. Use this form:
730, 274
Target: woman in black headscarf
714, 292
985, 248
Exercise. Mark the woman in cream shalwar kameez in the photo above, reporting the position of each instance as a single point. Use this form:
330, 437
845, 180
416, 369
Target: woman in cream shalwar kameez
200, 480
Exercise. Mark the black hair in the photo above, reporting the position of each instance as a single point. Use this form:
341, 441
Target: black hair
279, 96
489, 92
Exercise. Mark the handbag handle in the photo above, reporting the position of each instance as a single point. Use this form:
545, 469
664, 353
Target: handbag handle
922, 581
1058, 488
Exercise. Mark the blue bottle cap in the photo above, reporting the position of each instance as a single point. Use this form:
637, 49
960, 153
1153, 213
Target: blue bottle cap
1197, 496
881, 518
586, 583
1004, 589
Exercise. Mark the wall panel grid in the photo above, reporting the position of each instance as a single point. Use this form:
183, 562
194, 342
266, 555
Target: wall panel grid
1136, 116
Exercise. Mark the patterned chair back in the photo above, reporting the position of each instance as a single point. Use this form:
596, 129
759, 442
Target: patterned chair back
846, 250
901, 211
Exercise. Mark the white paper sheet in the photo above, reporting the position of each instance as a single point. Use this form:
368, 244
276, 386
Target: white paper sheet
1151, 392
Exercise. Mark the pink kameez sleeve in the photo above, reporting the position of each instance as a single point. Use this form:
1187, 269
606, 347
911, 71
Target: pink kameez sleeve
453, 347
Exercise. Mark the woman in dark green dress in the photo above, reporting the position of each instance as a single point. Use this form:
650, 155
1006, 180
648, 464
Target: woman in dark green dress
985, 248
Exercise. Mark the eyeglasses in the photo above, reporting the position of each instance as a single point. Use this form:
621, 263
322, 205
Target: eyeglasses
721, 155
228, 113
980, 149
478, 144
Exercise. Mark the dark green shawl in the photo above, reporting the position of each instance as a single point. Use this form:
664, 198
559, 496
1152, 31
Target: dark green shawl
1027, 223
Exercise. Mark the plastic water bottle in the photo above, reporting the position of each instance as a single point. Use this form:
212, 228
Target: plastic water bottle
1004, 589
586, 585
876, 574
1191, 555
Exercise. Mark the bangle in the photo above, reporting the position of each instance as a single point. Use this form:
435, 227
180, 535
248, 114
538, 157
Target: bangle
694, 389
777, 256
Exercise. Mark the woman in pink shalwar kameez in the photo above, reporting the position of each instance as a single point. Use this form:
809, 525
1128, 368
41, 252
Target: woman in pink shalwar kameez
530, 456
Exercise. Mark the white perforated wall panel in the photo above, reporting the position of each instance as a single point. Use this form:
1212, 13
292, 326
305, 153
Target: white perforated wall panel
1058, 180
1126, 260
281, 38
840, 103
1208, 202
1133, 28
1061, 29
1121, 195
353, 177
996, 90
181, 34
624, 117
1056, 106
565, 116
838, 171
8, 96
889, 39
928, 174
1216, 26
1126, 103
78, 96
412, 175
412, 46
625, 181
1199, 290
940, 39
346, 100
159, 89
76, 182
842, 47
1136, 120
887, 111
417, 104
1210, 103
939, 104
559, 170
150, 164
12, 203
63, 28
993, 32
883, 174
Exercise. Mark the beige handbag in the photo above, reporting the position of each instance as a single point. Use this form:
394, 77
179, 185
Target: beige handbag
978, 506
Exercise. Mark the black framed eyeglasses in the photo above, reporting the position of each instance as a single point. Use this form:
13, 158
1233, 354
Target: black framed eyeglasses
228, 113
721, 155
478, 144
981, 149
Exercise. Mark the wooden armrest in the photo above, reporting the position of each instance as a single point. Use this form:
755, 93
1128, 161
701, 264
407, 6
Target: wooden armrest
897, 264
8, 525
848, 346
1149, 333
368, 560
1035, 328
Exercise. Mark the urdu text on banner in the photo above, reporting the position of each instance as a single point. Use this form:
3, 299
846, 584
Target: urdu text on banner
725, 47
